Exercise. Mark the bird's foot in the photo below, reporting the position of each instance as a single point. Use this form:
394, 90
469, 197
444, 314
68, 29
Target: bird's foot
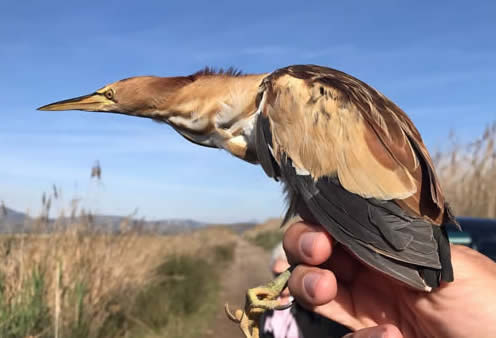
259, 300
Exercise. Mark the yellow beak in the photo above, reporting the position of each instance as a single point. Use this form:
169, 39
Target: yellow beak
92, 102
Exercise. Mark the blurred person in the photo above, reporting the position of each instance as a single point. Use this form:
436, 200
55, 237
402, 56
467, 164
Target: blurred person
330, 281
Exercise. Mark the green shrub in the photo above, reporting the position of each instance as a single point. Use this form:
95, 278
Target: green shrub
267, 239
224, 253
25, 313
180, 301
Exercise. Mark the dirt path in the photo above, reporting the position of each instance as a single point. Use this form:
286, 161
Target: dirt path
250, 267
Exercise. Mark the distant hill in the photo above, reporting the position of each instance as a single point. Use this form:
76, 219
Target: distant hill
240, 228
17, 222
11, 220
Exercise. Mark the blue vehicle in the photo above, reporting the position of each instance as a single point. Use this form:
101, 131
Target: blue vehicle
477, 233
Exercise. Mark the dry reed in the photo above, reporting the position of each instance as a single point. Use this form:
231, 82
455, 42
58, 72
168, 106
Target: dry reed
84, 271
468, 175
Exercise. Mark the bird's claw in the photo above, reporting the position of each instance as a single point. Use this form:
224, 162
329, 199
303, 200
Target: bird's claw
248, 322
284, 307
259, 300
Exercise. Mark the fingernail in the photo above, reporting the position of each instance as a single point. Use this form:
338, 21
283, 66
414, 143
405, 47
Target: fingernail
306, 243
373, 332
310, 283
377, 333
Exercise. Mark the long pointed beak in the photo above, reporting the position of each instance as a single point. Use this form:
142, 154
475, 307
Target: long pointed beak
92, 102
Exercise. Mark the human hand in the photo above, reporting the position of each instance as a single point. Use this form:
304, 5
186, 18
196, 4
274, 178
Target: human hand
332, 282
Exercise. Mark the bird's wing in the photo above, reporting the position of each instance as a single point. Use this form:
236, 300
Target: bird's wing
330, 123
348, 152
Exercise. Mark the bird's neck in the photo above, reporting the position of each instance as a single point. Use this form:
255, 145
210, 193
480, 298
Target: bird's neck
216, 111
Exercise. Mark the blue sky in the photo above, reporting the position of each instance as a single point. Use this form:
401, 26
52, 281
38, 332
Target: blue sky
436, 60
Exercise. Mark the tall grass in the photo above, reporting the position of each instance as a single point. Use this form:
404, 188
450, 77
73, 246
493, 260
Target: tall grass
468, 175
74, 281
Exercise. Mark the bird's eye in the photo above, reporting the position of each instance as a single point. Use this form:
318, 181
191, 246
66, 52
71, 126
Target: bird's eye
109, 94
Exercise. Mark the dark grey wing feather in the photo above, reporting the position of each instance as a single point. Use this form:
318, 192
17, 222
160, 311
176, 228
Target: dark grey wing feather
263, 140
393, 242
391, 232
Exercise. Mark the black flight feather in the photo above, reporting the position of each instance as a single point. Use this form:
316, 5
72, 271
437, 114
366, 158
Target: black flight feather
347, 218
263, 140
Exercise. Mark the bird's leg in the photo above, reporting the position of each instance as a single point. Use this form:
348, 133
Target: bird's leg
259, 300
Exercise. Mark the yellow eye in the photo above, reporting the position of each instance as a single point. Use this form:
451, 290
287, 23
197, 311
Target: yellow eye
109, 94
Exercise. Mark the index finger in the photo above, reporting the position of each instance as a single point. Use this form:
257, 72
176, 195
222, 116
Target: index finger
310, 244
306, 243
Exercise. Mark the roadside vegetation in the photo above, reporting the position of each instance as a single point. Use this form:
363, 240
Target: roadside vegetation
267, 239
81, 283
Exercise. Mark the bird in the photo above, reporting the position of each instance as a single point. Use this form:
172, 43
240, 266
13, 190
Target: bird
349, 159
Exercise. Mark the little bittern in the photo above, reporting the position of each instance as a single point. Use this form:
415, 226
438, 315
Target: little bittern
349, 159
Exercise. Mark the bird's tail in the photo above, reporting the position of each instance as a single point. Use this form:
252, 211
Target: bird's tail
433, 277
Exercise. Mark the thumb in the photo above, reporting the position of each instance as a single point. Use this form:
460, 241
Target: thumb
381, 331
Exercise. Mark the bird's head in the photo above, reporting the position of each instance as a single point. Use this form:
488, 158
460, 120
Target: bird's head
139, 96
212, 109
